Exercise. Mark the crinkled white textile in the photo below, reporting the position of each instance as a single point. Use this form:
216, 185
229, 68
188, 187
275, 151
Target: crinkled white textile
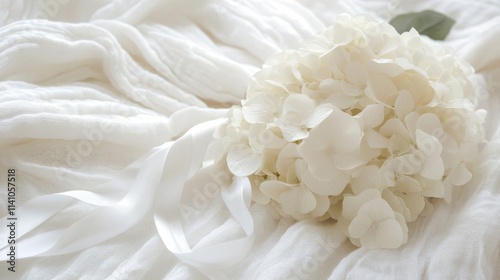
107, 111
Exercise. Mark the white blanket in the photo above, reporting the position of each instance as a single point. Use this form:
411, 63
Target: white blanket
102, 83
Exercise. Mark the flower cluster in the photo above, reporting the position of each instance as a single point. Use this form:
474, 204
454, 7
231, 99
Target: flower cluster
360, 124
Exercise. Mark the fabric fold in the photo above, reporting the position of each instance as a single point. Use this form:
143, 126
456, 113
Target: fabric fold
186, 158
158, 178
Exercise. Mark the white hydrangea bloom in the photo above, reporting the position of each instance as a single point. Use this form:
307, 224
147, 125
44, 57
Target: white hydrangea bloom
299, 115
359, 124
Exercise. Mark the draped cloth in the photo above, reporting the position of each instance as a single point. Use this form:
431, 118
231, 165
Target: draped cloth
108, 111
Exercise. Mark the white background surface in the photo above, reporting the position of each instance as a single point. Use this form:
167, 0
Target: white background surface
141, 73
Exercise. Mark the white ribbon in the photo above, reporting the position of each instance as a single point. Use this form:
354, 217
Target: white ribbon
184, 160
156, 181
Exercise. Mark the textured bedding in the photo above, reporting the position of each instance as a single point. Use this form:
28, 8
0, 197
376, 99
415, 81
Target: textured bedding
106, 108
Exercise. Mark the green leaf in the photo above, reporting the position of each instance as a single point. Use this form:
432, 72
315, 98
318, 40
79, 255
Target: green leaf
430, 23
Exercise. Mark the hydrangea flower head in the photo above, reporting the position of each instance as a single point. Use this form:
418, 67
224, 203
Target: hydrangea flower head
359, 124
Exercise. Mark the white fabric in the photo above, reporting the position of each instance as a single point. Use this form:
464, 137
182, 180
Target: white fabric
92, 101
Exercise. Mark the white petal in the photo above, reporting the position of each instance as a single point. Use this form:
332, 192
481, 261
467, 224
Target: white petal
428, 209
236, 116
382, 89
352, 204
460, 175
360, 225
346, 133
395, 202
257, 195
362, 155
342, 35
399, 145
448, 190
408, 184
376, 140
348, 162
406, 211
300, 104
259, 109
301, 169
417, 84
320, 137
291, 131
356, 73
297, 201
335, 186
402, 223
320, 164
290, 175
341, 100
242, 160
450, 154
286, 158
432, 168
268, 165
377, 209
394, 126
386, 234
428, 144
407, 164
297, 73
335, 211
372, 116
322, 206
254, 137
388, 173
429, 123
307, 201
319, 114
350, 89
385, 66
369, 177
411, 121
415, 203
273, 188
404, 104
270, 140
329, 85
432, 188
